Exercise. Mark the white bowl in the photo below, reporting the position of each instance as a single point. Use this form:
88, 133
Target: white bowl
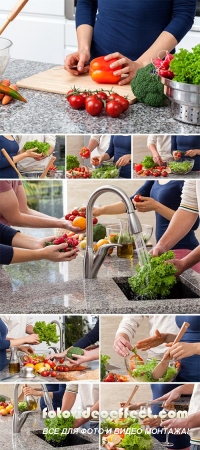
5, 45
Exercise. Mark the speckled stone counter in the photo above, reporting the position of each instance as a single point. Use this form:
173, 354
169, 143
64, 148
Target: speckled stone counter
26, 440
50, 113
47, 287
192, 175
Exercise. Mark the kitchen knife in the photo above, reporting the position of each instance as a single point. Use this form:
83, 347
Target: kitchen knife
14, 12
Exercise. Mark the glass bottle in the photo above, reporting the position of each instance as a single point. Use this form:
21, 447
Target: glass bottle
32, 402
126, 239
14, 364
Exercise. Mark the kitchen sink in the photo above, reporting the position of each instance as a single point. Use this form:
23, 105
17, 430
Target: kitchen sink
70, 440
179, 291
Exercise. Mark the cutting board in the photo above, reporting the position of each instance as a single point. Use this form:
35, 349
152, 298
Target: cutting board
59, 81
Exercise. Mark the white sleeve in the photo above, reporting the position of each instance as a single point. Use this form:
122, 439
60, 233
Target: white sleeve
96, 137
152, 139
51, 139
129, 325
29, 320
189, 201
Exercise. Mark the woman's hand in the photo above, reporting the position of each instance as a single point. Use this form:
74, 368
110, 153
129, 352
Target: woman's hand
174, 154
32, 339
152, 422
129, 67
58, 355
76, 63
99, 159
31, 154
179, 265
28, 391
52, 253
169, 397
175, 424
26, 349
122, 346
146, 204
95, 212
183, 350
157, 159
192, 152
89, 355
124, 160
150, 342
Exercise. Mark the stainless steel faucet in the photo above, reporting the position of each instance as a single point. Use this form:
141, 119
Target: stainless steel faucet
92, 263
62, 336
20, 418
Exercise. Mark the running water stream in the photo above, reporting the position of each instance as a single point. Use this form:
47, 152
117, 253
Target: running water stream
141, 249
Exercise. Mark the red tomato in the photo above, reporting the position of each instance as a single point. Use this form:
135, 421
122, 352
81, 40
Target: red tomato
81, 214
61, 360
137, 198
69, 93
164, 174
138, 167
101, 72
95, 220
51, 363
74, 212
146, 173
102, 95
44, 373
82, 169
53, 373
113, 96
124, 102
72, 217
76, 101
66, 369
109, 378
114, 108
156, 174
94, 106
85, 95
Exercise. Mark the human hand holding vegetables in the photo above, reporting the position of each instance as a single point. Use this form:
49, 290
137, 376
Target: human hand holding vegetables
122, 345
153, 341
100, 159
129, 67
26, 349
146, 204
89, 355
123, 160
76, 63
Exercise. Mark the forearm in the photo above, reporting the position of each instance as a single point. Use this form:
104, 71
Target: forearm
17, 342
191, 259
194, 420
34, 220
153, 149
29, 329
165, 41
68, 401
124, 335
164, 211
115, 208
175, 232
19, 157
84, 37
21, 255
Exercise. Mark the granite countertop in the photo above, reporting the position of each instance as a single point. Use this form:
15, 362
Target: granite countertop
26, 440
47, 287
192, 175
50, 113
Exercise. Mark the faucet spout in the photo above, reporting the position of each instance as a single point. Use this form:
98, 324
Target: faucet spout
18, 418
93, 263
47, 398
62, 336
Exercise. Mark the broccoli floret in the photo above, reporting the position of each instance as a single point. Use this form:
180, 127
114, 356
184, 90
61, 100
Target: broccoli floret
99, 232
147, 87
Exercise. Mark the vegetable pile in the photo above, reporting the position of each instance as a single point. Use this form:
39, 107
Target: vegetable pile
127, 434
185, 65
143, 372
106, 171
94, 102
79, 172
58, 424
46, 332
69, 241
76, 213
8, 92
147, 87
71, 162
42, 147
154, 279
6, 408
148, 167
181, 167
115, 378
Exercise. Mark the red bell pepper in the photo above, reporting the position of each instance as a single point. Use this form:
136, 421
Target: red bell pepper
101, 72
85, 152
138, 167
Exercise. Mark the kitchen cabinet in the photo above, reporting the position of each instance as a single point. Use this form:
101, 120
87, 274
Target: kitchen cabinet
192, 38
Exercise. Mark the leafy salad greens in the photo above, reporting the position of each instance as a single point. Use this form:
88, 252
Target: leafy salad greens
148, 162
181, 167
185, 66
106, 172
156, 278
104, 359
59, 424
143, 372
46, 332
132, 439
42, 147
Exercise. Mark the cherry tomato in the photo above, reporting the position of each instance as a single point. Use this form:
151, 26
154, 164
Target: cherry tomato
44, 373
114, 108
61, 360
112, 96
69, 93
53, 373
66, 369
164, 174
95, 220
75, 212
102, 95
124, 102
147, 172
137, 198
85, 95
72, 217
81, 214
109, 378
94, 106
76, 101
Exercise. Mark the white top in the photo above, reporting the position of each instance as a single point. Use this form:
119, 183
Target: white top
163, 323
162, 143
17, 324
87, 395
29, 164
190, 199
193, 408
103, 144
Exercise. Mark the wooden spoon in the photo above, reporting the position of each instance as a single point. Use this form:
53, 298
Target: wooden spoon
11, 162
43, 175
130, 398
161, 368
14, 12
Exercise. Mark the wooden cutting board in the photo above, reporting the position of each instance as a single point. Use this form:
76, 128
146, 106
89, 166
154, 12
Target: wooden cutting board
59, 81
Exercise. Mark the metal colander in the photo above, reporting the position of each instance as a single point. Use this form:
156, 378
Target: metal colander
185, 100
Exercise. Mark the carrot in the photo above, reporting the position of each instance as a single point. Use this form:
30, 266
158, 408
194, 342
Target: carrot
6, 83
7, 98
11, 92
71, 233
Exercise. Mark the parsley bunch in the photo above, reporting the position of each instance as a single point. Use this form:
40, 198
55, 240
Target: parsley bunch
155, 278
46, 332
186, 66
